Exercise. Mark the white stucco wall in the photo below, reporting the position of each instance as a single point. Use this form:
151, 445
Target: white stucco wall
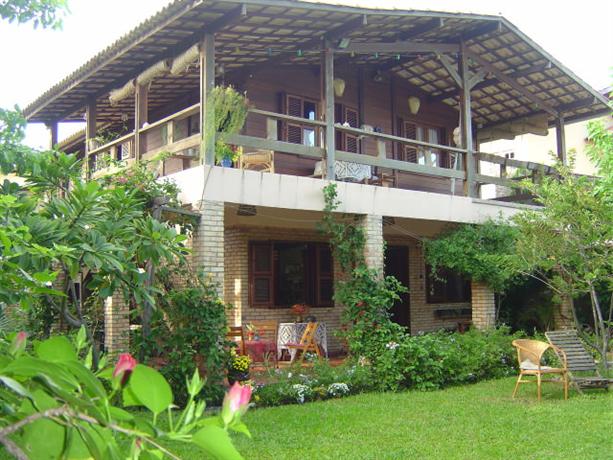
304, 193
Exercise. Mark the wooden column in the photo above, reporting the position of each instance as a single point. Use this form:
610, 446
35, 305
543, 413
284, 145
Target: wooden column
561, 140
361, 104
90, 130
470, 188
52, 126
141, 108
207, 112
328, 55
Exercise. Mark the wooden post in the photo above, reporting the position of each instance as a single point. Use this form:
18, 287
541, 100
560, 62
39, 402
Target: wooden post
207, 112
470, 188
361, 102
90, 130
329, 102
141, 107
561, 140
52, 126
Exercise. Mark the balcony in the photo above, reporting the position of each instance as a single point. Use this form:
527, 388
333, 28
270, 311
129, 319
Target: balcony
179, 140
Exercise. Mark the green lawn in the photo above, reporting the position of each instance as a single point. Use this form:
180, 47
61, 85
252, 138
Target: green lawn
477, 421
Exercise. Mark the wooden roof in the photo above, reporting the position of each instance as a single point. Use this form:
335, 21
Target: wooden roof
289, 32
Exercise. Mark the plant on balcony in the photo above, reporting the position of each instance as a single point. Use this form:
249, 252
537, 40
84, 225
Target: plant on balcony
229, 109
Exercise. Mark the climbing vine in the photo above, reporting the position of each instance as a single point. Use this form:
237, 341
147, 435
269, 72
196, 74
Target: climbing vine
365, 294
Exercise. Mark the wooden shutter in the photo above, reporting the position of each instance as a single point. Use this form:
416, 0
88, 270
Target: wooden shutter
324, 275
261, 274
294, 106
351, 141
410, 152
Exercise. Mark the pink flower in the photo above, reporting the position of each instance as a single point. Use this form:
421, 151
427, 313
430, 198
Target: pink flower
235, 403
124, 367
19, 343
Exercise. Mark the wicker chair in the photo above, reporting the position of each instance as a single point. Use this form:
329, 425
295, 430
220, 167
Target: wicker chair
260, 160
529, 355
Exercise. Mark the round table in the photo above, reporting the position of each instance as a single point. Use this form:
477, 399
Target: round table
258, 349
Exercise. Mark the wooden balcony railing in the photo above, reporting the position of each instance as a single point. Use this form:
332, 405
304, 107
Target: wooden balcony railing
187, 147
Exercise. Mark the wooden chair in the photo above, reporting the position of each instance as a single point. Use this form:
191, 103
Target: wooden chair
260, 160
579, 360
307, 343
267, 332
529, 355
235, 332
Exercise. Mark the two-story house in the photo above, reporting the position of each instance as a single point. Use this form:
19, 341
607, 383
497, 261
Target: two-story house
392, 104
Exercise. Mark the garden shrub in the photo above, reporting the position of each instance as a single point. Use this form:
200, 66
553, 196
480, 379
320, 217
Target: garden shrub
421, 362
188, 332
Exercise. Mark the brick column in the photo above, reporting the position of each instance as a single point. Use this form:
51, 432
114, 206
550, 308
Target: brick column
208, 243
116, 325
483, 306
563, 314
373, 247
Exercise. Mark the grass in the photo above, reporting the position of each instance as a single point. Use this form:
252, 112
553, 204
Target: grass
476, 421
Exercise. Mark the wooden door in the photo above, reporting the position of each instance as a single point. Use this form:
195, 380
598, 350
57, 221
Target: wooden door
397, 265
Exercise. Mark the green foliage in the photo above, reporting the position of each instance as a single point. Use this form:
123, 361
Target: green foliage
567, 243
422, 362
365, 295
484, 253
230, 110
55, 406
188, 331
46, 13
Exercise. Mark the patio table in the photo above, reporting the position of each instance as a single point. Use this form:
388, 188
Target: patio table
292, 332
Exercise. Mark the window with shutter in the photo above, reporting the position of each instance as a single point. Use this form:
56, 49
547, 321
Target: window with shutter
447, 286
297, 133
325, 277
351, 141
284, 273
261, 286
423, 155
410, 152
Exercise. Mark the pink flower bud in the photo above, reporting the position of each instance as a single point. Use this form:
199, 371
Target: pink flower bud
236, 402
19, 343
124, 367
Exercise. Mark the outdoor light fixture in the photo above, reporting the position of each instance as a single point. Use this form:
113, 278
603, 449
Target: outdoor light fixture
414, 104
378, 78
339, 87
246, 210
344, 43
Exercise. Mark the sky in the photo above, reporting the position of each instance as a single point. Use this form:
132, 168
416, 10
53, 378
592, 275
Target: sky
577, 33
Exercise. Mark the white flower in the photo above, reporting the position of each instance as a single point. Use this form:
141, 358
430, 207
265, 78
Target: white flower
300, 392
338, 389
391, 346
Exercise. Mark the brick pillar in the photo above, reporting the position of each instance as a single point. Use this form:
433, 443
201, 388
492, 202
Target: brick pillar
116, 325
563, 314
373, 247
208, 243
483, 306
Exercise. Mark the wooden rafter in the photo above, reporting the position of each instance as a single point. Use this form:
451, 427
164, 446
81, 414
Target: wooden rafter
232, 17
400, 47
512, 83
424, 28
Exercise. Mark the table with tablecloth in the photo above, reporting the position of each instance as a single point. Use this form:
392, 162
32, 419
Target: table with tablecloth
292, 333
258, 350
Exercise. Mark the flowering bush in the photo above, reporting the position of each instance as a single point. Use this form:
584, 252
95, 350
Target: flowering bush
55, 406
239, 363
337, 390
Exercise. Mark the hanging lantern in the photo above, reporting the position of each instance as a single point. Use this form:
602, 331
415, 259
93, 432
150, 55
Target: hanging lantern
414, 104
339, 87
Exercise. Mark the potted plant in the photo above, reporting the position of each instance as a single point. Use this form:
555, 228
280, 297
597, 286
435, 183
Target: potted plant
300, 310
251, 331
238, 368
226, 154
